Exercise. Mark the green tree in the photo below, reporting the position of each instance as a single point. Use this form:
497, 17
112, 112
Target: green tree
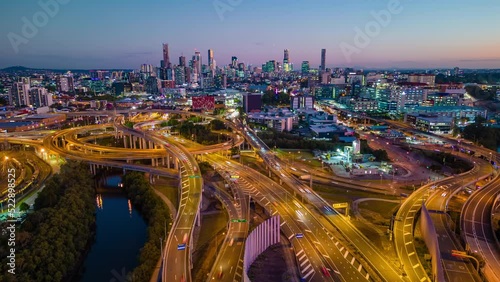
217, 124
24, 207
381, 155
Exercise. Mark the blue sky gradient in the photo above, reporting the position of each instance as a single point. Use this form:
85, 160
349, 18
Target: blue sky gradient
124, 34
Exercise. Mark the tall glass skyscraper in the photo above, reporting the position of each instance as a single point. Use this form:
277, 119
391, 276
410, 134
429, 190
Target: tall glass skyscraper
322, 67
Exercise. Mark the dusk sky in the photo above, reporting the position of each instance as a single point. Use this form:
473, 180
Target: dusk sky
93, 34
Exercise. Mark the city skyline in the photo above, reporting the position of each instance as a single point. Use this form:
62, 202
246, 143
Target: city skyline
397, 34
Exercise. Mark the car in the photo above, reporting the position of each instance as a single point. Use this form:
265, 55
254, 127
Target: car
327, 208
299, 235
181, 247
325, 271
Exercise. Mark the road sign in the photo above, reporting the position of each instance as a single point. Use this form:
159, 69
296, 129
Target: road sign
340, 205
239, 220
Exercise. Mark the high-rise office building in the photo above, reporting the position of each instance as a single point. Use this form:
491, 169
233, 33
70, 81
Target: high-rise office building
234, 62
322, 67
286, 60
19, 93
210, 58
166, 57
182, 61
38, 97
305, 67
64, 84
197, 62
180, 75
149, 69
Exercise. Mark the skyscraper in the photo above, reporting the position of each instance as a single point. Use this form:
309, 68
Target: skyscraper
182, 61
234, 62
19, 93
286, 60
305, 67
210, 58
197, 62
166, 57
322, 67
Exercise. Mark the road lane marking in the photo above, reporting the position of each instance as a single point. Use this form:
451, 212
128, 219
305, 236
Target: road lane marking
309, 273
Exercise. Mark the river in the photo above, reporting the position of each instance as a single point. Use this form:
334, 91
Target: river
121, 233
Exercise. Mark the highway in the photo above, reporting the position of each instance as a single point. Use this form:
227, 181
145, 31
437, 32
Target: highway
177, 253
318, 248
476, 207
363, 245
477, 229
228, 265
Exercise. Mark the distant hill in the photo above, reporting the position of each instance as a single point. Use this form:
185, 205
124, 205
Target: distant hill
18, 69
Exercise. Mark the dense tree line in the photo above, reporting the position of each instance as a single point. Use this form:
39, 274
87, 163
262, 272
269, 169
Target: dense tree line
156, 214
478, 93
489, 137
480, 78
272, 99
289, 141
217, 125
53, 240
458, 165
198, 133
380, 154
